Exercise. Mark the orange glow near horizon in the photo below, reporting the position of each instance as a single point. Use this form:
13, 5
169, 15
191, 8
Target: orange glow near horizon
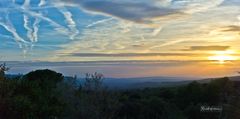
223, 56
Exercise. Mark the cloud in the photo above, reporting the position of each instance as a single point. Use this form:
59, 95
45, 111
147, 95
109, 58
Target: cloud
16, 36
29, 30
88, 63
69, 20
32, 33
33, 13
9, 27
207, 48
156, 31
128, 54
143, 11
58, 27
154, 14
99, 22
193, 6
26, 21
232, 28
131, 11
35, 29
41, 3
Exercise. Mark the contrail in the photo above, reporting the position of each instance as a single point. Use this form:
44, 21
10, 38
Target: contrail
68, 19
26, 21
36, 23
10, 28
42, 3
57, 26
26, 4
29, 30
13, 31
157, 31
99, 22
35, 29
169, 43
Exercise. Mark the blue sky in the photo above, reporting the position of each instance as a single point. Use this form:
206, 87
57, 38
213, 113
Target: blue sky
120, 31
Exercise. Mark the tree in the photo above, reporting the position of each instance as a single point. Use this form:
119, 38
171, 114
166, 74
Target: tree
93, 82
95, 101
3, 69
45, 78
37, 92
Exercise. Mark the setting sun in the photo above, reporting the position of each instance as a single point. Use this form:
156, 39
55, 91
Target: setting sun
223, 56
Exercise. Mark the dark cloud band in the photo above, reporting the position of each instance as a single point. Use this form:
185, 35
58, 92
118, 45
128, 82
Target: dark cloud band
207, 48
232, 28
132, 11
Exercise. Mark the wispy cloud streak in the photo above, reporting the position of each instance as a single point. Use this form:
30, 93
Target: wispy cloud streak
36, 23
10, 28
35, 29
32, 33
157, 31
29, 30
99, 22
42, 3
68, 19
71, 23
58, 27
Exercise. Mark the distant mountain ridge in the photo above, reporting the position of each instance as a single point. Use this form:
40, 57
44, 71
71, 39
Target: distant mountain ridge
145, 82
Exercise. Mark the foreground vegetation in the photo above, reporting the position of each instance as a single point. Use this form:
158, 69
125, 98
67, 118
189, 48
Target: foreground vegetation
46, 94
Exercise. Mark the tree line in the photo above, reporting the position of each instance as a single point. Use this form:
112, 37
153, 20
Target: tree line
46, 94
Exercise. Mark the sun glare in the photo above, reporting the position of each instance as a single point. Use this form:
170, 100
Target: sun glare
223, 56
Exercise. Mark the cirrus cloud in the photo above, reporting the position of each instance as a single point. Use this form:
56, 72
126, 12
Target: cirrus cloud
145, 11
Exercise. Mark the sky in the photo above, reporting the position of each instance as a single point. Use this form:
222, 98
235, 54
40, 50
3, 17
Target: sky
122, 38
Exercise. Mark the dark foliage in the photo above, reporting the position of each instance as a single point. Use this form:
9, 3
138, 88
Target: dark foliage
44, 94
45, 78
3, 69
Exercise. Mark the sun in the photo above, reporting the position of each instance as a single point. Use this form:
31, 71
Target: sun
223, 56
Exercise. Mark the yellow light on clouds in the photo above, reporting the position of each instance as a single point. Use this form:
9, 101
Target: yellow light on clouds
223, 56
